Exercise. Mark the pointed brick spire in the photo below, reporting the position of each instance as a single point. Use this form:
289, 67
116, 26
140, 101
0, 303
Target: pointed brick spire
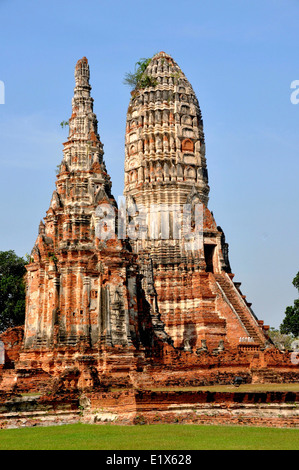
70, 252
82, 171
82, 74
83, 122
83, 150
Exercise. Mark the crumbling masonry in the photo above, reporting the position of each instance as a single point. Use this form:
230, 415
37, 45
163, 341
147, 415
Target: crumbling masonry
139, 293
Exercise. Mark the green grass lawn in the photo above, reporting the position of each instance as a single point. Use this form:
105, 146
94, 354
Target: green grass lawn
148, 437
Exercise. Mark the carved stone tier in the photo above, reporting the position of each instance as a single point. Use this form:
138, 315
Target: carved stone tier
81, 289
166, 189
114, 304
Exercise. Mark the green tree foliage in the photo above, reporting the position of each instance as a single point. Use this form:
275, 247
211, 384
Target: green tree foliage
290, 324
281, 341
12, 290
139, 79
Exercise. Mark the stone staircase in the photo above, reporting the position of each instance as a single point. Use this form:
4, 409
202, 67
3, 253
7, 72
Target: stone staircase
241, 308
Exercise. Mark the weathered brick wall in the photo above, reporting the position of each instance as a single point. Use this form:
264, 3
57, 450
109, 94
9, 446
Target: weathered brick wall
12, 339
271, 409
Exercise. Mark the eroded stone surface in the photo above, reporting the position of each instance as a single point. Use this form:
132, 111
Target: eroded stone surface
150, 305
165, 168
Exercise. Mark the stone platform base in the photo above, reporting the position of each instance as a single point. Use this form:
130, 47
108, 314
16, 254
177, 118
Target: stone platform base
137, 407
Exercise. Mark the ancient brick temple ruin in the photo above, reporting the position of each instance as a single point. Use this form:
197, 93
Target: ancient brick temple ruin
137, 293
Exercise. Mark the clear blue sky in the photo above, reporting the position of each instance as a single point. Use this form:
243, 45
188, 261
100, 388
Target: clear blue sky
240, 57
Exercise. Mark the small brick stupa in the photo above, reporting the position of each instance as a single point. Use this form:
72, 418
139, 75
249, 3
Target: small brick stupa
139, 293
